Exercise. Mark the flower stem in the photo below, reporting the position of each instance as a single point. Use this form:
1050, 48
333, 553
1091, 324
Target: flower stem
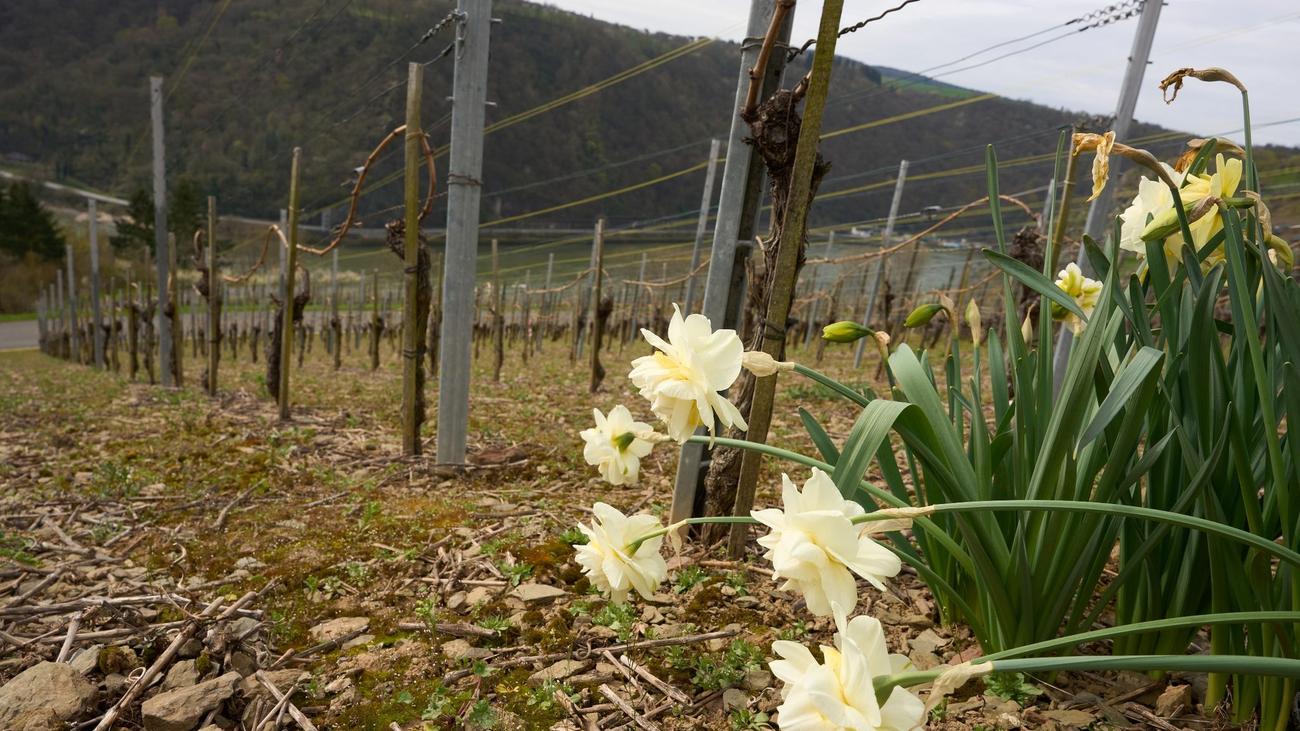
832, 384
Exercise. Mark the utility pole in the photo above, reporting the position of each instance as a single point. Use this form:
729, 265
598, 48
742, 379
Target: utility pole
870, 307
1099, 213
96, 331
469, 89
703, 226
738, 201
160, 243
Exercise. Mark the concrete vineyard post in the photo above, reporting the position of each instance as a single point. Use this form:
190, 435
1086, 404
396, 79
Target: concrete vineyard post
742, 179
702, 226
870, 307
469, 97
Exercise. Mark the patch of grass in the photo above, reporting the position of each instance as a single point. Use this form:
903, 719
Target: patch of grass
743, 719
688, 578
574, 536
716, 672
15, 548
516, 572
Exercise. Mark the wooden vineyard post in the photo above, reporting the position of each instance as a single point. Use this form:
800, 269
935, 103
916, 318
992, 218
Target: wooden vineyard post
291, 262
434, 332
214, 299
544, 305
113, 331
498, 318
42, 330
161, 244
336, 325
412, 363
793, 232
596, 316
96, 329
374, 322
132, 332
178, 330
74, 341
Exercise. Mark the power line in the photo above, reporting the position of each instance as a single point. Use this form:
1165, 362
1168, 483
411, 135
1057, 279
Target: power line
544, 107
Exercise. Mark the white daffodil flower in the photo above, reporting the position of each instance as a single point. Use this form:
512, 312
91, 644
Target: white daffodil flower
816, 548
837, 694
613, 446
1153, 200
1083, 290
608, 559
682, 379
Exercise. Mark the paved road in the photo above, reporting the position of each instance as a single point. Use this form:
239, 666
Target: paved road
19, 334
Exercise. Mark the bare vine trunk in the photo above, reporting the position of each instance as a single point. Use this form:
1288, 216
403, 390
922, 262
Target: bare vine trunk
775, 125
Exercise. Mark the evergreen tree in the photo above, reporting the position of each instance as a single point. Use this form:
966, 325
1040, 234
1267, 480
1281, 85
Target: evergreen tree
186, 212
135, 229
28, 226
184, 216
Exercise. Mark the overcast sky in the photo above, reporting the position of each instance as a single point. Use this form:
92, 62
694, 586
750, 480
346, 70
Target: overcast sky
1258, 40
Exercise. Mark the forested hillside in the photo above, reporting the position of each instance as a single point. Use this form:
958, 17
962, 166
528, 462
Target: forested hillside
248, 81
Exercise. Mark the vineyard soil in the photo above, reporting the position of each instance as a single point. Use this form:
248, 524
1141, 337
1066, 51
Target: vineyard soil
473, 613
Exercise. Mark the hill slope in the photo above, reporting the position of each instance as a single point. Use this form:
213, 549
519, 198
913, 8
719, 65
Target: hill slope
328, 75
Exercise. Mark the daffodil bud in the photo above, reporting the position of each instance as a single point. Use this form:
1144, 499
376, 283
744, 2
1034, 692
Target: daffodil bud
763, 365
922, 315
1282, 249
1027, 328
845, 331
975, 322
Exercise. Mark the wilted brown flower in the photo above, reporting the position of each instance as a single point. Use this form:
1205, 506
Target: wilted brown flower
1175, 80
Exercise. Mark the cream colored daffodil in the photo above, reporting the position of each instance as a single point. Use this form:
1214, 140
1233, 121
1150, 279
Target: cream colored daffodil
815, 546
613, 446
684, 376
608, 559
1153, 200
1083, 290
1222, 184
837, 694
